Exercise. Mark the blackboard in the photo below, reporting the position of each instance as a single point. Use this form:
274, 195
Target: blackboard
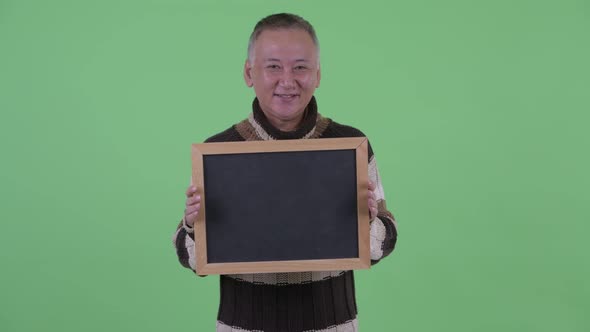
281, 206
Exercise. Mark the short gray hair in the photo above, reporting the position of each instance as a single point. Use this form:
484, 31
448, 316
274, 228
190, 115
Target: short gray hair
282, 21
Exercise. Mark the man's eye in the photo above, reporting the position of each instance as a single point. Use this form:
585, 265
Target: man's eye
300, 68
273, 67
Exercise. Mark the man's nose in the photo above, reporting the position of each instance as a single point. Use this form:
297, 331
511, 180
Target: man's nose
287, 79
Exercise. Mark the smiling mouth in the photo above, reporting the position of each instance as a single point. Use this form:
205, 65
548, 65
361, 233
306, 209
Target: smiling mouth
286, 95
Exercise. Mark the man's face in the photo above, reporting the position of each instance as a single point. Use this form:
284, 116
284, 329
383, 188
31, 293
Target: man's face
284, 71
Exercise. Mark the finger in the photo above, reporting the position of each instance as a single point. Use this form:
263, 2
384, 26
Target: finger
193, 200
371, 204
192, 209
371, 195
190, 191
191, 218
371, 186
373, 213
374, 208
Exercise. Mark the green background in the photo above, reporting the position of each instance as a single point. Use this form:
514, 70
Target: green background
477, 111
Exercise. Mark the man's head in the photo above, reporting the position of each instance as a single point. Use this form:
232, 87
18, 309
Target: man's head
283, 67
282, 21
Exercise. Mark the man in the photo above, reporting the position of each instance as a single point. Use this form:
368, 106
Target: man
283, 68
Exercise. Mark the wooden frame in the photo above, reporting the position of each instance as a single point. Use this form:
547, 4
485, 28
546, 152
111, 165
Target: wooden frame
360, 147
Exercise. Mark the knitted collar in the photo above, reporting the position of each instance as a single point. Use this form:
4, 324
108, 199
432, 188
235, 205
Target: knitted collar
305, 129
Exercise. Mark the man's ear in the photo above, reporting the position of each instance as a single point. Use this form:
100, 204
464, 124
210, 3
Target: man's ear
319, 77
248, 74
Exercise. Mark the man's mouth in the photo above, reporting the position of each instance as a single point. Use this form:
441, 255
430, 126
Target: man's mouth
286, 95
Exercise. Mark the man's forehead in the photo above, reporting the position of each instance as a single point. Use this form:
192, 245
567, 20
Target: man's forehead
277, 59
285, 44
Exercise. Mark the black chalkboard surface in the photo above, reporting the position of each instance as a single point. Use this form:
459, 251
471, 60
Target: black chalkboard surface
281, 206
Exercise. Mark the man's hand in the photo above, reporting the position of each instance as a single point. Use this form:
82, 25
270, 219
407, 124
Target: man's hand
372, 202
193, 206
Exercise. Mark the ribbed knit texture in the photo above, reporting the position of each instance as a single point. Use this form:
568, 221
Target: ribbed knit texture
294, 302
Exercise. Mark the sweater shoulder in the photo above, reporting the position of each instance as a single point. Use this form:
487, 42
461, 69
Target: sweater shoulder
336, 130
228, 135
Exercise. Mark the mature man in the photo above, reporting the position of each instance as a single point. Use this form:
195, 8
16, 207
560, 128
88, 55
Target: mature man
283, 68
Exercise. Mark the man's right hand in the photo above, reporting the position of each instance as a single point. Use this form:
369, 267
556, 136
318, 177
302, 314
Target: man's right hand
193, 205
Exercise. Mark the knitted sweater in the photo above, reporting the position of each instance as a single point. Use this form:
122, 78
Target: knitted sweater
294, 302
